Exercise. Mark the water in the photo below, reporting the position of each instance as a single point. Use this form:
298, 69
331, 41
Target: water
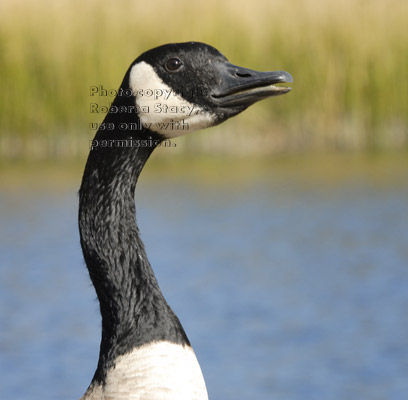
289, 286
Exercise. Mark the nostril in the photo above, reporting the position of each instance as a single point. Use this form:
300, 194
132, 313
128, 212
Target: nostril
241, 75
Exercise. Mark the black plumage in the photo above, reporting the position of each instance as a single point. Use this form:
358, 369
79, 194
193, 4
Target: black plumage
134, 311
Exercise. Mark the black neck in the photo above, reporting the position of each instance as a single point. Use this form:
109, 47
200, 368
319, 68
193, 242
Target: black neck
134, 311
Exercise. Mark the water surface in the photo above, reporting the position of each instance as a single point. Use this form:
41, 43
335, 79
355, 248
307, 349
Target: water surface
291, 283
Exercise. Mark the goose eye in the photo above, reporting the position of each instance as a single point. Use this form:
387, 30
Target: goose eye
173, 64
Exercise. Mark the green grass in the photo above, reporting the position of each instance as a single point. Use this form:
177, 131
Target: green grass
349, 60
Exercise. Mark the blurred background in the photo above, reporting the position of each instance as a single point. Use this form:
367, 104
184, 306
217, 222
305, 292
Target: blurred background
279, 238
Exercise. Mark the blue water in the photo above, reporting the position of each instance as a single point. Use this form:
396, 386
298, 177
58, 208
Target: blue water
289, 287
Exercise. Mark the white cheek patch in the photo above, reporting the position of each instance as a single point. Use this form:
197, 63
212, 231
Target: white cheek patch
157, 371
162, 110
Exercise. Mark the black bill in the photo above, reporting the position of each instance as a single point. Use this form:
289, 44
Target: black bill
242, 87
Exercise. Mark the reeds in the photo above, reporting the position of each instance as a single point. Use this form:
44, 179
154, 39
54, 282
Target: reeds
349, 60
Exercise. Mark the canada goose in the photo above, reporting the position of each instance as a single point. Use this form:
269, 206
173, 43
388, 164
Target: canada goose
167, 92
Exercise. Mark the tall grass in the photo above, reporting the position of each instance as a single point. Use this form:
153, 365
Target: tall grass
349, 60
